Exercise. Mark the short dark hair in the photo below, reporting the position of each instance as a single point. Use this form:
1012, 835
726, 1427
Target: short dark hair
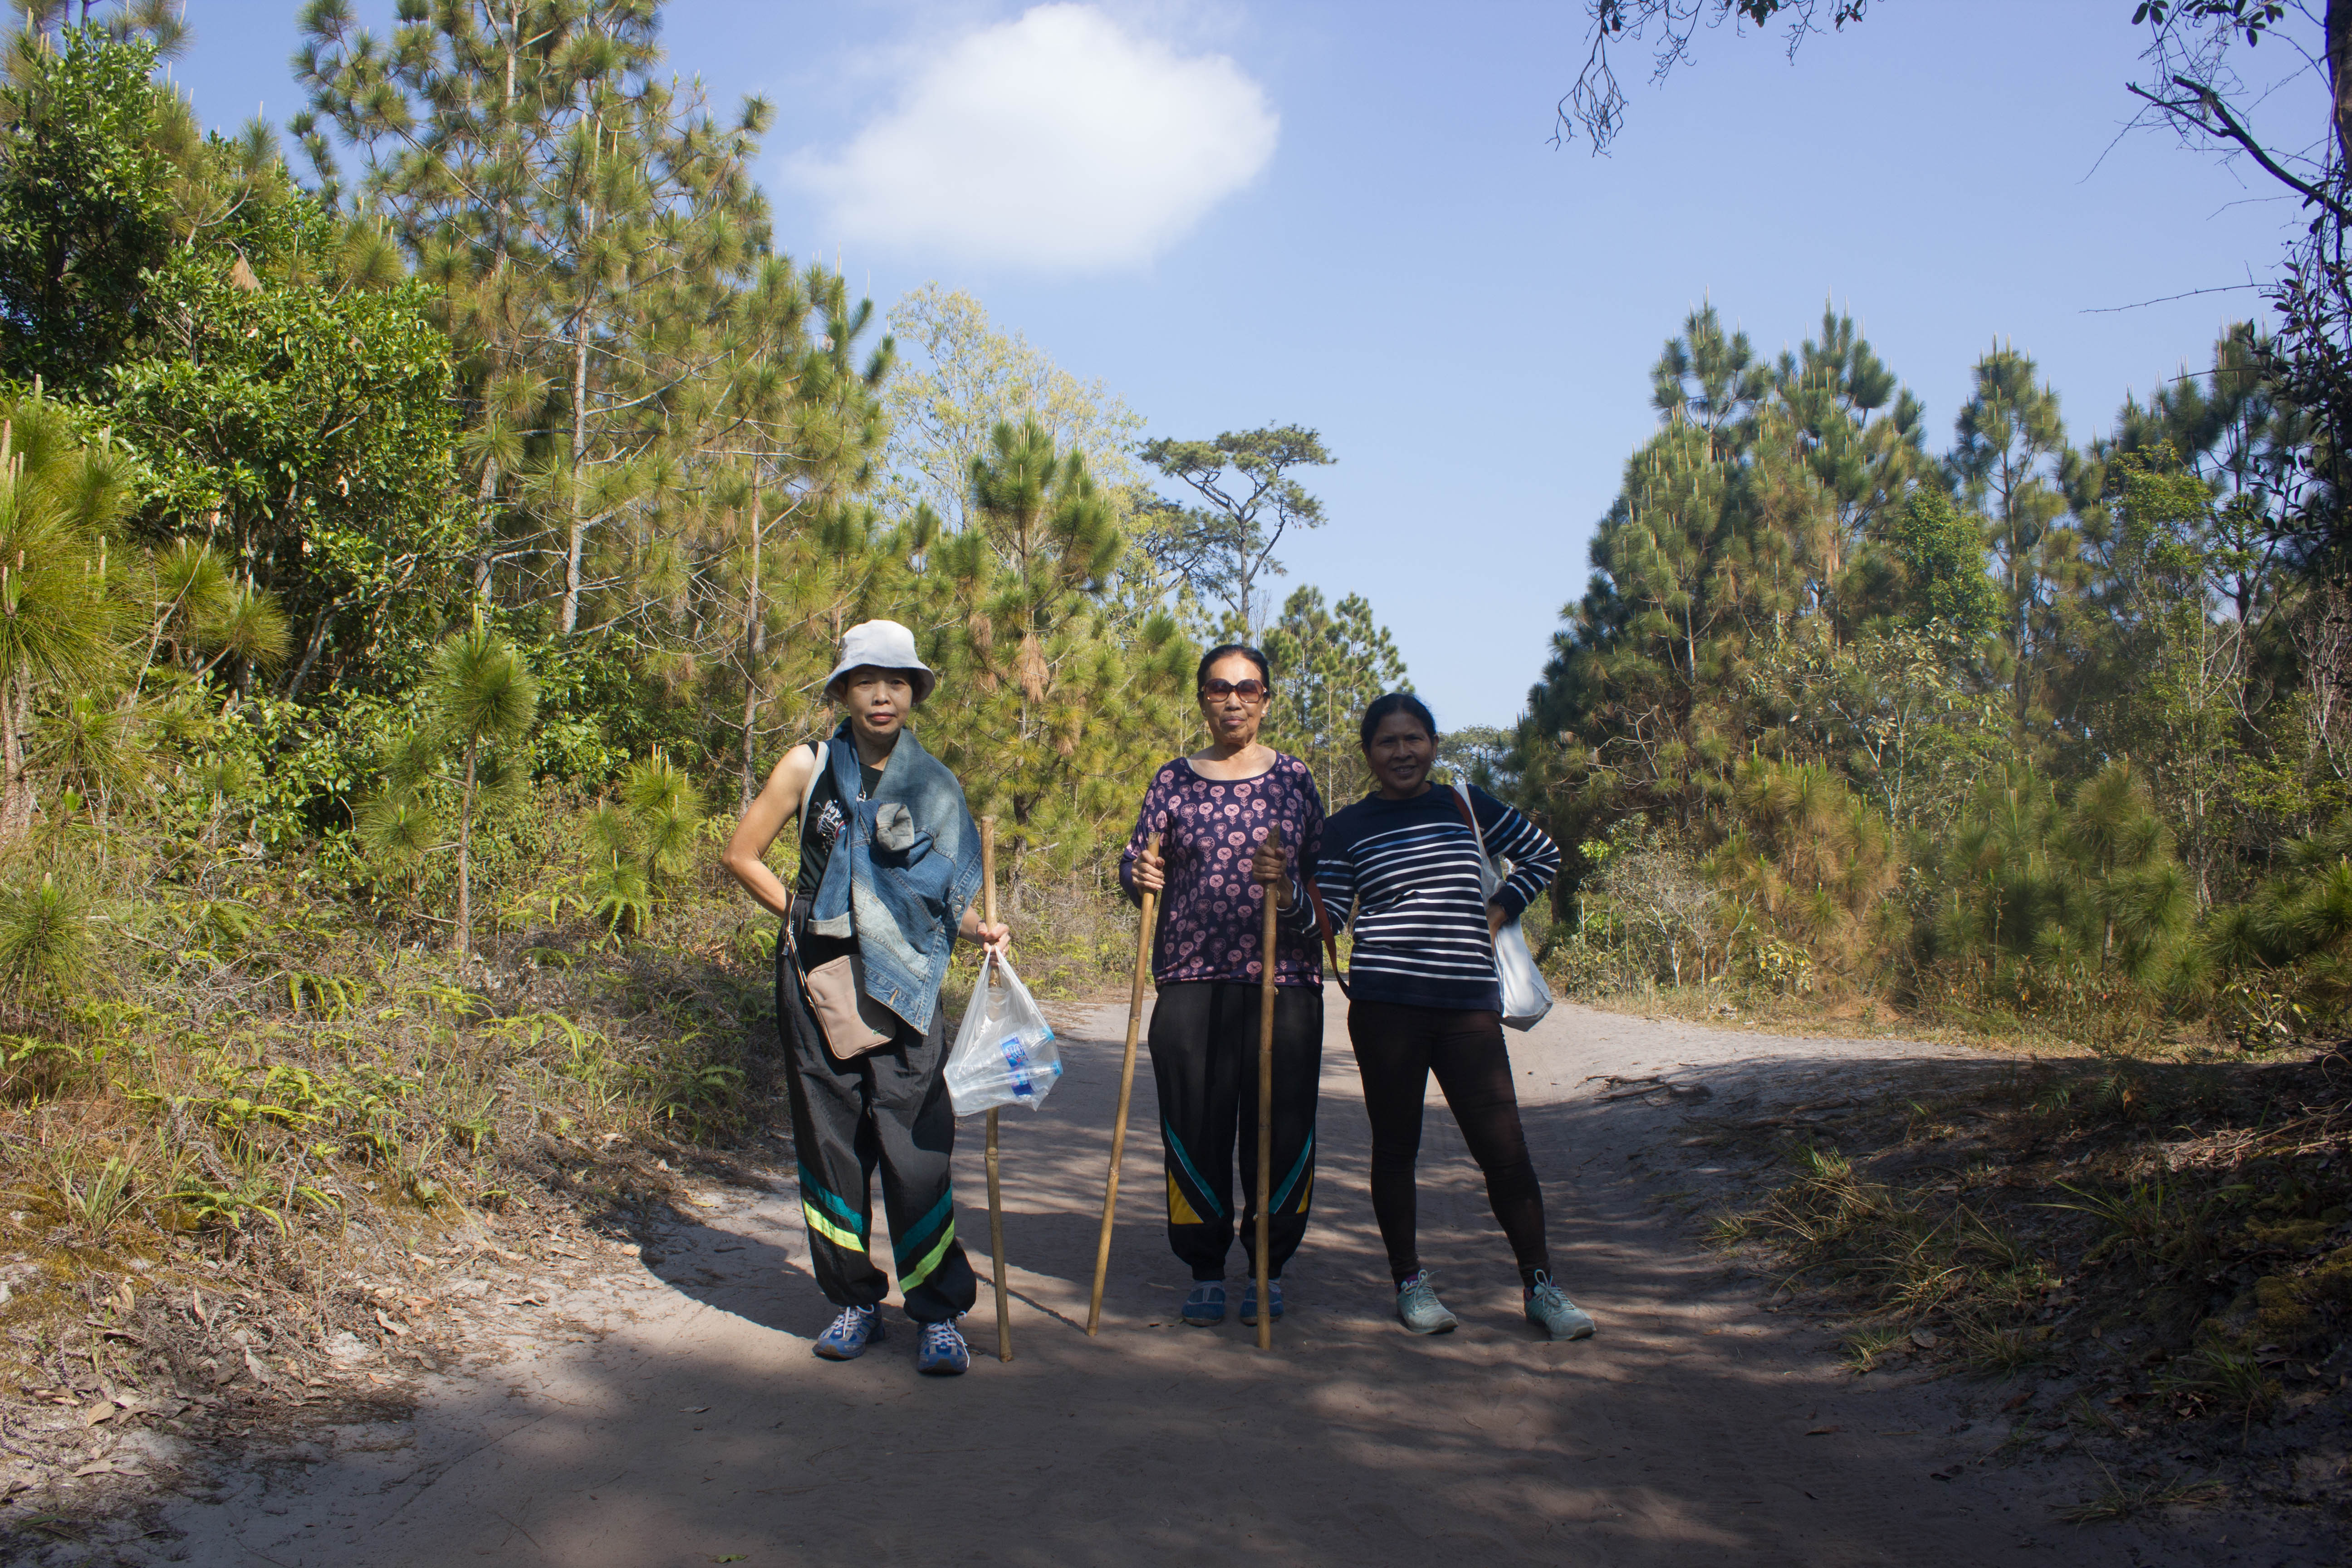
1227, 650
1394, 702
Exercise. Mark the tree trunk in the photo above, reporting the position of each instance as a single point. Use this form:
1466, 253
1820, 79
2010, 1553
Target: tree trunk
755, 646
309, 653
489, 486
466, 854
484, 528
579, 532
16, 790
2339, 76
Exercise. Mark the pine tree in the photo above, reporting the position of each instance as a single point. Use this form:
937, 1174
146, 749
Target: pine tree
963, 377
1644, 668
588, 224
763, 567
1839, 446
61, 601
1710, 379
1746, 534
484, 698
1055, 696
1219, 552
1328, 665
2011, 462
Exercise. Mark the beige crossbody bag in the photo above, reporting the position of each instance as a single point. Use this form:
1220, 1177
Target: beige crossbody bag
853, 1022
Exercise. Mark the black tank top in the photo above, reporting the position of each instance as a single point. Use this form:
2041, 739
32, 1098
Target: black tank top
820, 826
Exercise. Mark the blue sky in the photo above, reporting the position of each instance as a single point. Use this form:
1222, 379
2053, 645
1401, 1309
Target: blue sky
1347, 214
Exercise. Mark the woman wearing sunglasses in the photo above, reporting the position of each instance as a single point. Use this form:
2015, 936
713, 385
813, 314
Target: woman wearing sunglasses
1215, 812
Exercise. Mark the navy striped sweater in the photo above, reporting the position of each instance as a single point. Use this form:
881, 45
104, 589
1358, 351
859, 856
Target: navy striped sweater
1404, 873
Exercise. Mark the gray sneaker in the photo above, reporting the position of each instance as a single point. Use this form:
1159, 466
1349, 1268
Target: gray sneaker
1418, 1308
1549, 1309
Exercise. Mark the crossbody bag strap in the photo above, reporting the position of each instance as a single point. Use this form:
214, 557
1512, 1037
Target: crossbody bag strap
816, 751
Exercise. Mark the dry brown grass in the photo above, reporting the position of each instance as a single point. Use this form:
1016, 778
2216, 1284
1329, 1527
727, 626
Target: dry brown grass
2149, 1254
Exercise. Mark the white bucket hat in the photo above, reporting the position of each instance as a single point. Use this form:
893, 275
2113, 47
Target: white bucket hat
885, 645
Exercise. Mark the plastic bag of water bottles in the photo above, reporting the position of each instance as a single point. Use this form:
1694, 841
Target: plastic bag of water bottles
1005, 1052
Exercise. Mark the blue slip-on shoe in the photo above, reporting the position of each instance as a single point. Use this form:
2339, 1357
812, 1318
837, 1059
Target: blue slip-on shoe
943, 1352
1205, 1307
1249, 1300
850, 1334
1418, 1308
1550, 1310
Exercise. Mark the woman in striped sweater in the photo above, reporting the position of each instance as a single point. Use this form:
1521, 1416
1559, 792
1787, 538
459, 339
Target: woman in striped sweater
1400, 866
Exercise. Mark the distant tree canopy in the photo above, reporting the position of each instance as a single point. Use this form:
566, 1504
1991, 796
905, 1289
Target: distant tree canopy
527, 387
2032, 714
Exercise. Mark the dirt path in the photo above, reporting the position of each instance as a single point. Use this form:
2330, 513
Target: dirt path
688, 1422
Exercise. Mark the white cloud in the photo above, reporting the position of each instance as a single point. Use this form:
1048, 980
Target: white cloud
1057, 141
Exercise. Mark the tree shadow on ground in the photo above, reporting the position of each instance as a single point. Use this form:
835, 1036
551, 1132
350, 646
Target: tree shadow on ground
1696, 1425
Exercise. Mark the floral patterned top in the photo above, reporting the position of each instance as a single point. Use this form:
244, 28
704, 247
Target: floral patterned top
1212, 914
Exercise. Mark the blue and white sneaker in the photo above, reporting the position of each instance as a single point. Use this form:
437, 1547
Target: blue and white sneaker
1249, 1300
847, 1338
1549, 1309
943, 1352
1205, 1307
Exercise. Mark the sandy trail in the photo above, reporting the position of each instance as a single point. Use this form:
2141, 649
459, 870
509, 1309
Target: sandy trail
693, 1425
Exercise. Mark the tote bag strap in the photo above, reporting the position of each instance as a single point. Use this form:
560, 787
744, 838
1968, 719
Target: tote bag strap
1461, 794
1330, 941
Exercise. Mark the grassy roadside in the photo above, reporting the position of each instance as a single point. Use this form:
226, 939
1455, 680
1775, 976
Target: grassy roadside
1811, 1017
257, 1161
236, 1171
2149, 1262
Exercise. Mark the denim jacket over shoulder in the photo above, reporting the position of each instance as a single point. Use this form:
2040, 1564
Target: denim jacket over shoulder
902, 873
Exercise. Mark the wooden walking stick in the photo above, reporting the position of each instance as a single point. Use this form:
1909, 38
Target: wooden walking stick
1266, 1106
1126, 1092
995, 1192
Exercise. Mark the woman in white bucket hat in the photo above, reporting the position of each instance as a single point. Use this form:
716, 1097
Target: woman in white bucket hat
889, 861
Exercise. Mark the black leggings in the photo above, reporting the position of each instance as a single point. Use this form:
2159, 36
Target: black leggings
1397, 1047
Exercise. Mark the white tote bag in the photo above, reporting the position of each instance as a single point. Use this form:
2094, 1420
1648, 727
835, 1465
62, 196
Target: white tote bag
1526, 997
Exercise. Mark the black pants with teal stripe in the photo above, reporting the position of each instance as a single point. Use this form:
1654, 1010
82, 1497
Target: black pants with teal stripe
887, 1110
1204, 1061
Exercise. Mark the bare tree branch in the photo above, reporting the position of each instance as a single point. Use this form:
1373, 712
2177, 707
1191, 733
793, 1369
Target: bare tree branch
2208, 103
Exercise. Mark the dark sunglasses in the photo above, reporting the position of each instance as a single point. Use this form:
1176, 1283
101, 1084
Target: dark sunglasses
1247, 690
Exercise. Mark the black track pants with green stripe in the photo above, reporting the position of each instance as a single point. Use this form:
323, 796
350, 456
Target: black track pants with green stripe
1204, 1063
887, 1110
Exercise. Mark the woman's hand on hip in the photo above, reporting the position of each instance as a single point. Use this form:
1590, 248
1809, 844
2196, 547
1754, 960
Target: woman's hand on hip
1270, 867
1149, 871
1496, 920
